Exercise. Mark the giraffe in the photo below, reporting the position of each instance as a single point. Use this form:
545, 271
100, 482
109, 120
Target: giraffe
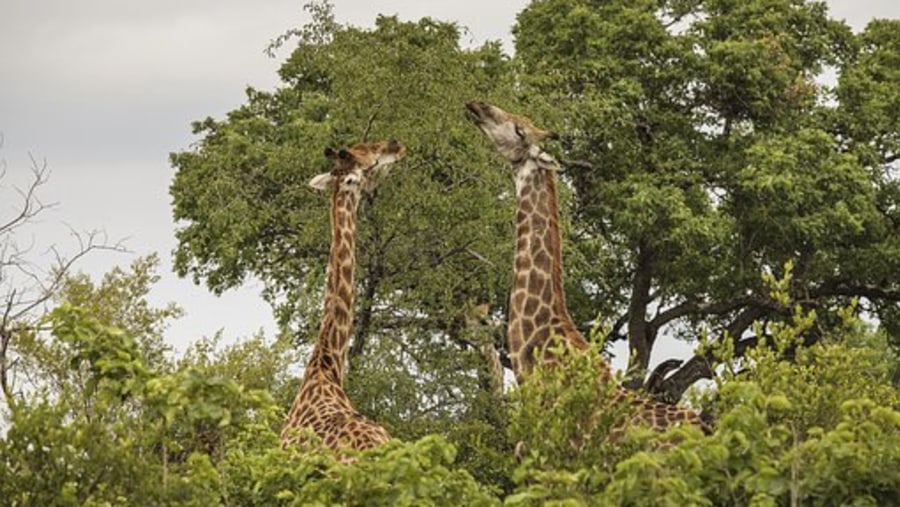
537, 303
479, 332
321, 403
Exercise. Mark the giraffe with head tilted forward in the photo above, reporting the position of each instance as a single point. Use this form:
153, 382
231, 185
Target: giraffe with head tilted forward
321, 404
537, 304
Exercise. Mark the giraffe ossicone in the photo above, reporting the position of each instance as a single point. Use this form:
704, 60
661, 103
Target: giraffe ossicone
537, 305
321, 404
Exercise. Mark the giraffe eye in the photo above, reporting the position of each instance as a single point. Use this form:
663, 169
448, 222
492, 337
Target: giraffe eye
520, 132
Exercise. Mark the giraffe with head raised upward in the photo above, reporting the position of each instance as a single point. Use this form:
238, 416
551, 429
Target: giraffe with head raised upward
537, 304
321, 403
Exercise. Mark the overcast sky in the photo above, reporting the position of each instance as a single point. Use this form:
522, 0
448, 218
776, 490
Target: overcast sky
103, 90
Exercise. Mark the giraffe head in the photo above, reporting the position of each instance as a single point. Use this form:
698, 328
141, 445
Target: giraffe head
514, 136
358, 168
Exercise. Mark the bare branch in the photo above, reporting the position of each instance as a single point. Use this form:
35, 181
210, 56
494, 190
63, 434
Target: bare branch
31, 205
659, 373
701, 365
371, 120
576, 164
87, 243
868, 291
480, 257
703, 308
5, 321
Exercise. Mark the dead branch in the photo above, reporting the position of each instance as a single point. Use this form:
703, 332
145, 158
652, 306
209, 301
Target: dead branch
371, 120
27, 288
31, 205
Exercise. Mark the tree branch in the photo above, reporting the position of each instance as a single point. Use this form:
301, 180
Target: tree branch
659, 373
702, 308
639, 339
831, 289
60, 271
369, 122
31, 206
701, 366
5, 339
370, 289
27, 287
576, 164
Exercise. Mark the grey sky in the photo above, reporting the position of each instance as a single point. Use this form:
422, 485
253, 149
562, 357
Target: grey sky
105, 89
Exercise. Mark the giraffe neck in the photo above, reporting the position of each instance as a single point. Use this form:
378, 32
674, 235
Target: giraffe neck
537, 302
330, 352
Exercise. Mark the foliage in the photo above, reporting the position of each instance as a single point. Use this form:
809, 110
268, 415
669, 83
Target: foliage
415, 473
432, 240
119, 315
120, 300
699, 152
203, 438
48, 459
254, 362
797, 424
703, 151
771, 445
556, 416
133, 426
29, 283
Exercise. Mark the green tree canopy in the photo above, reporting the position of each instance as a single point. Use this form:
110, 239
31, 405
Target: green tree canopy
433, 240
703, 151
713, 189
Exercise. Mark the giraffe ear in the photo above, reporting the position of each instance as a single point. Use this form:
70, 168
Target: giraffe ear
321, 181
546, 134
548, 163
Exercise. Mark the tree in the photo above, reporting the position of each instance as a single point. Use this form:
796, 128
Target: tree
699, 154
818, 425
432, 242
108, 415
192, 437
814, 427
702, 152
26, 287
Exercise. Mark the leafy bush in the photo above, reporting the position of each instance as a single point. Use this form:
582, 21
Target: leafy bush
811, 425
191, 438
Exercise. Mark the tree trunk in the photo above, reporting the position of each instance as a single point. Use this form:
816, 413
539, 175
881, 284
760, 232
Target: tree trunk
5, 338
639, 340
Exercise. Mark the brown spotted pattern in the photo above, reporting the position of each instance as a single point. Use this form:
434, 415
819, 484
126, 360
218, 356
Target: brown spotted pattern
321, 403
537, 306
